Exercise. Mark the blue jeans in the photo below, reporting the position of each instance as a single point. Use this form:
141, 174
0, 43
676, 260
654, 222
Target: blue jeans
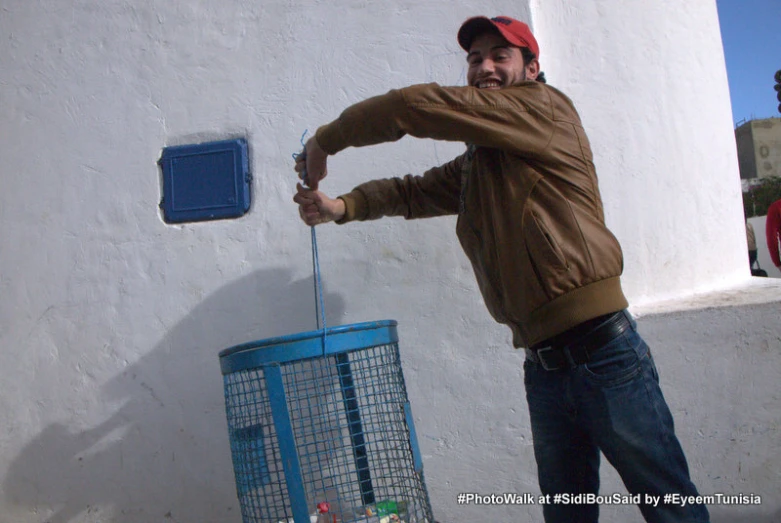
611, 404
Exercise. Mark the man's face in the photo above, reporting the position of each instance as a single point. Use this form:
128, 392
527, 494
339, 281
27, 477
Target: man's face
495, 64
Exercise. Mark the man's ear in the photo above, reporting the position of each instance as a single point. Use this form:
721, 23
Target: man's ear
532, 69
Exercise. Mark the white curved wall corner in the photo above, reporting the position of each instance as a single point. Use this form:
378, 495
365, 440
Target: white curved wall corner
649, 80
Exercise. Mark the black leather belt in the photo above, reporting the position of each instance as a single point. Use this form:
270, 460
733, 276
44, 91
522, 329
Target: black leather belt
574, 346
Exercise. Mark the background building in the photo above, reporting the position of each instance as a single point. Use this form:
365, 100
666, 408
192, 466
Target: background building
759, 148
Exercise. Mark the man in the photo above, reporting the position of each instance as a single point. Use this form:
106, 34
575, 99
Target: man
751, 240
530, 219
773, 232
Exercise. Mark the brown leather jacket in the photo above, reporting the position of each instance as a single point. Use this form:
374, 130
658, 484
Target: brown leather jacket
530, 216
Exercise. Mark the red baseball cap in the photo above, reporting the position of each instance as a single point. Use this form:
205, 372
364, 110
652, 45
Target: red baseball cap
514, 31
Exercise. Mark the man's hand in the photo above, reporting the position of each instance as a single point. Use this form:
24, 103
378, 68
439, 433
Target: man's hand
315, 207
311, 164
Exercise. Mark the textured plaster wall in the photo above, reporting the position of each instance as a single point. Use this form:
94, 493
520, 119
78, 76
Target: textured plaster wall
111, 320
719, 369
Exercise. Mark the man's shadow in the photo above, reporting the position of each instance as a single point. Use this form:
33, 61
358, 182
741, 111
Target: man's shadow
164, 454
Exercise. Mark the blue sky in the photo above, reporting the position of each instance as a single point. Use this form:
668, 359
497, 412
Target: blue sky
751, 33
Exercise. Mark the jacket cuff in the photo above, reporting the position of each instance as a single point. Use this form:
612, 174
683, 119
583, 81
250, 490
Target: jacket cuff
355, 207
330, 138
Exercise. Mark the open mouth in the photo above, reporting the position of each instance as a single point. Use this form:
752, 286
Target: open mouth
489, 84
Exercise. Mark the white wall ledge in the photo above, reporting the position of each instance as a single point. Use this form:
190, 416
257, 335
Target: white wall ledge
751, 291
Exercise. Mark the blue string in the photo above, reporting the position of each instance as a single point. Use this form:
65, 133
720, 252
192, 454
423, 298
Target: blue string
319, 306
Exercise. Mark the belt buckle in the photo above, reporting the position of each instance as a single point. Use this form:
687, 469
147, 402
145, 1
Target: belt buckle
540, 357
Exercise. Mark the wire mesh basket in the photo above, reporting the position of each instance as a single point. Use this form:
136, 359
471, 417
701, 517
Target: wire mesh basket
314, 422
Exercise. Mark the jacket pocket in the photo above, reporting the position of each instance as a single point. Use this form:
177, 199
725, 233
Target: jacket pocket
544, 248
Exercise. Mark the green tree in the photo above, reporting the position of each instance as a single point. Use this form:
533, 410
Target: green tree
759, 197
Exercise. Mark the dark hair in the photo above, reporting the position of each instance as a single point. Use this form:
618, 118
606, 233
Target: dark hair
528, 56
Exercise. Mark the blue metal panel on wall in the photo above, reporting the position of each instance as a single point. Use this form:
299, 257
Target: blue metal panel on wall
207, 181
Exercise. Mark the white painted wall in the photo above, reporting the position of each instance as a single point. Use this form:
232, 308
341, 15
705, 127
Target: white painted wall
111, 320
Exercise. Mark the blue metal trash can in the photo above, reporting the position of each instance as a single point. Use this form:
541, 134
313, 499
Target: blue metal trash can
314, 418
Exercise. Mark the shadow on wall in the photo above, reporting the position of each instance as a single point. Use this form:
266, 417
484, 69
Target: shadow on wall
164, 454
